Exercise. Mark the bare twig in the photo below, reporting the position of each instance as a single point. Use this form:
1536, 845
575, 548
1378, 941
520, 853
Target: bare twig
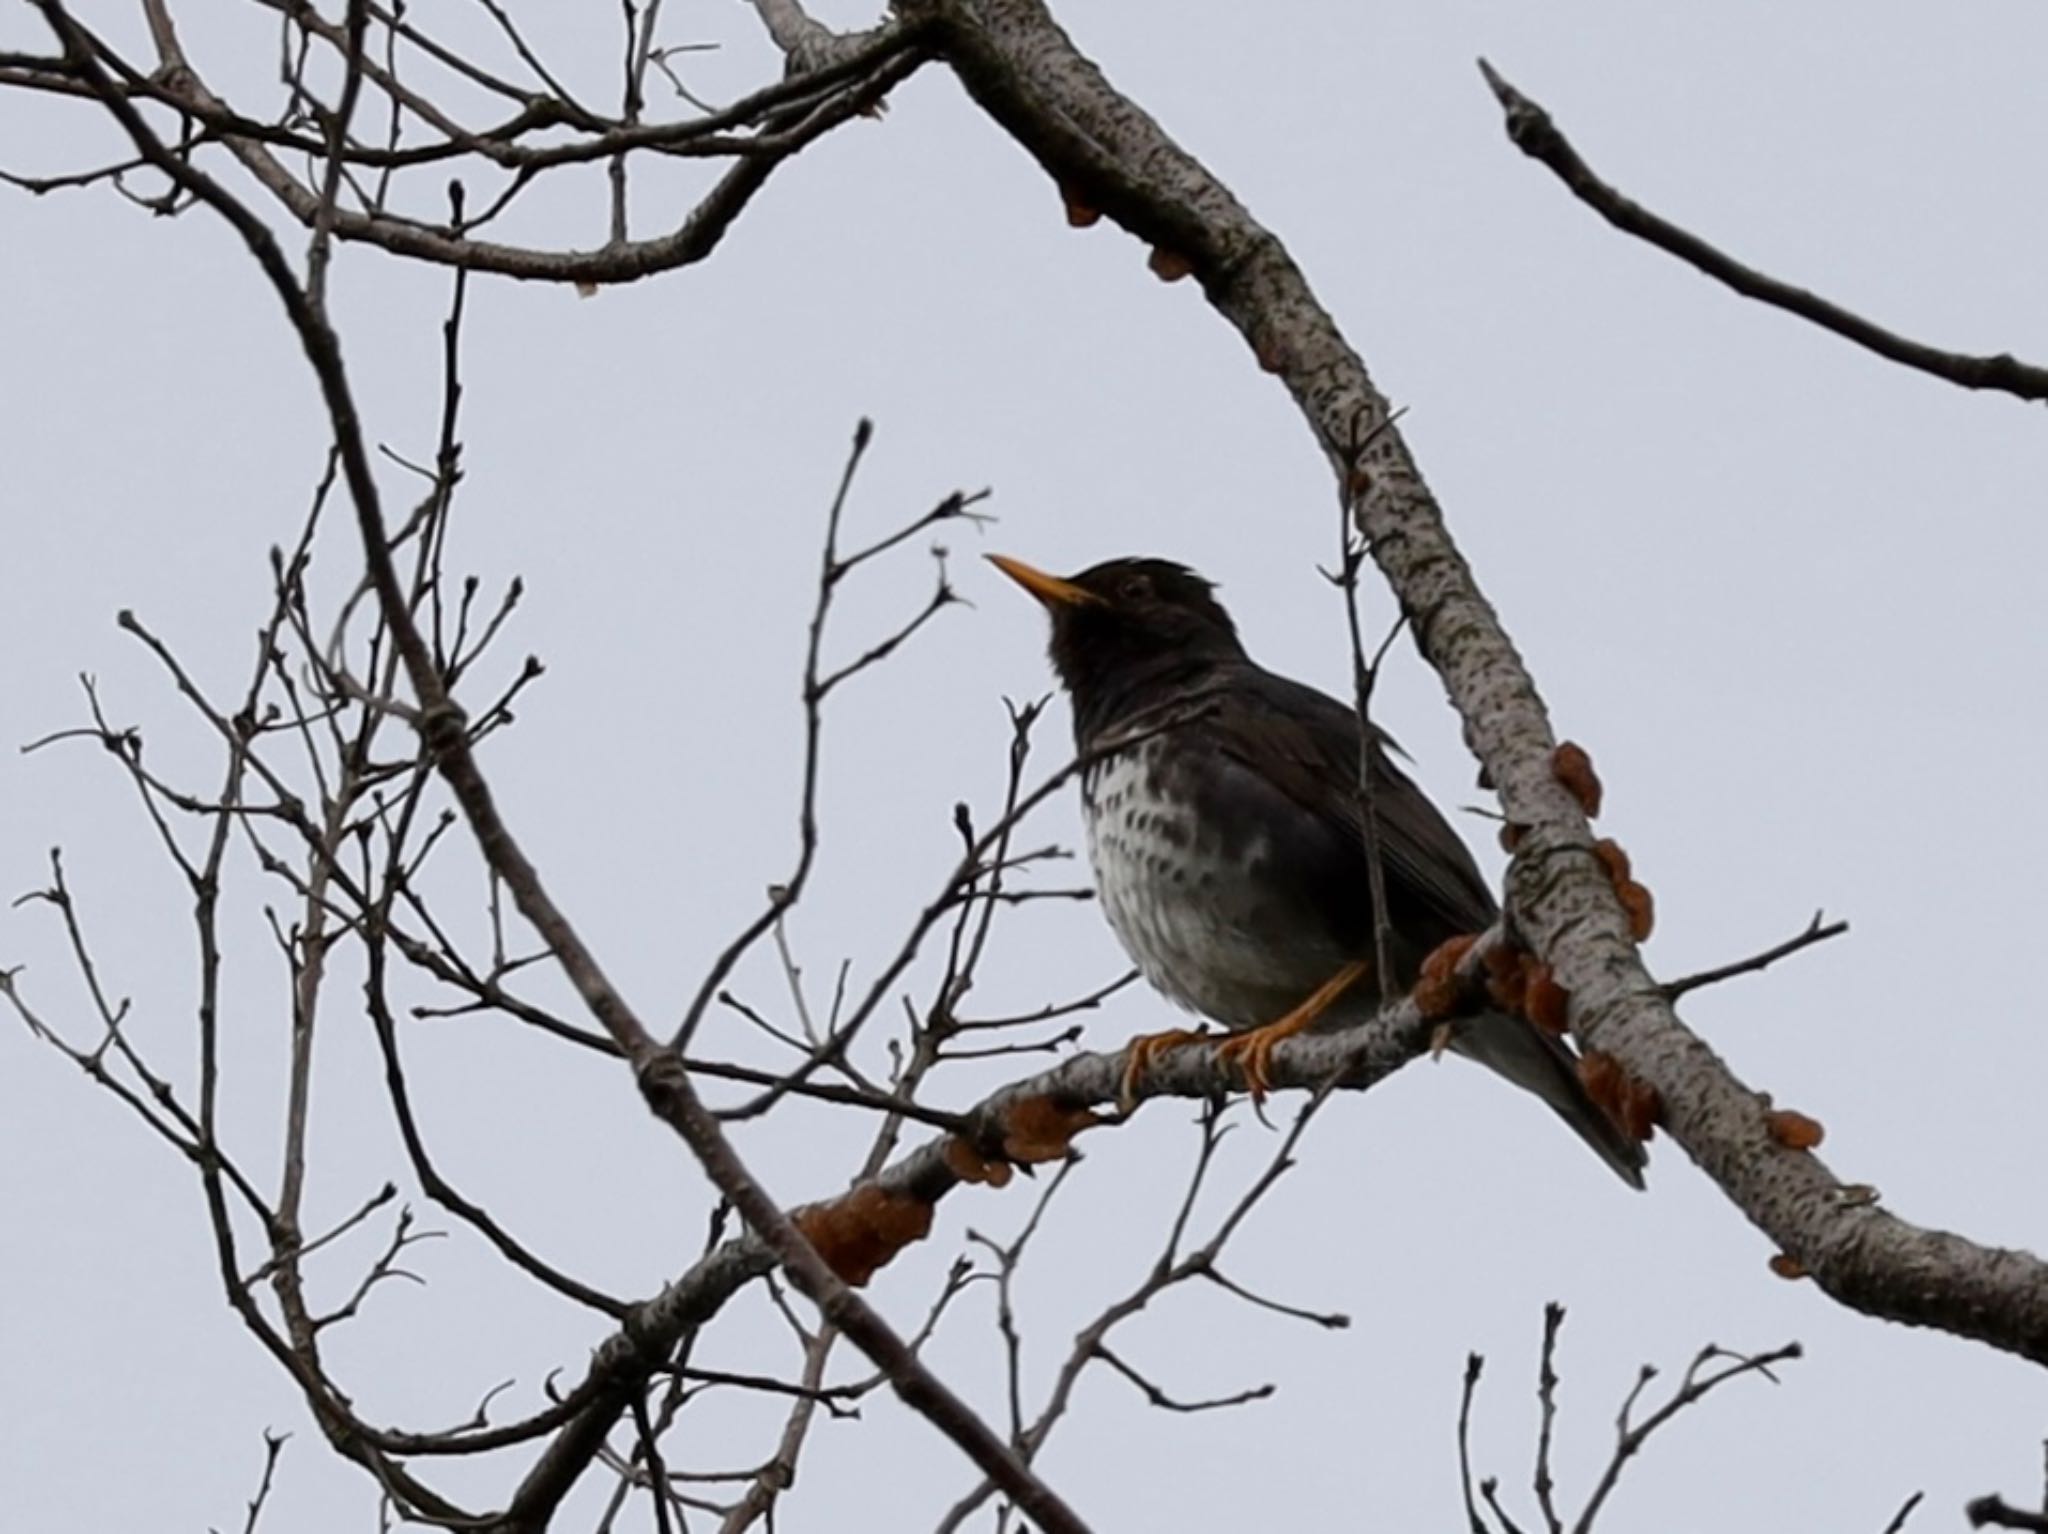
1630, 1435
963, 876
371, 1205
1168, 1271
1489, 1489
1905, 1511
1087, 1003
384, 1268
1536, 135
928, 1033
817, 684
1165, 1402
1351, 550
664, 1082
1474, 1367
1629, 1439
273, 1446
1546, 1402
438, 1187
1819, 930
649, 1449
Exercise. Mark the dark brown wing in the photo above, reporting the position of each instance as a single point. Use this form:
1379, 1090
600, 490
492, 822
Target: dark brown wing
1283, 743
1305, 743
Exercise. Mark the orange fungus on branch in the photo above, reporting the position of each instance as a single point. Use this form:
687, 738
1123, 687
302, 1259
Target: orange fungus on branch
1042, 1128
1507, 977
969, 1165
859, 1231
1080, 214
1546, 1003
1794, 1130
1169, 265
1573, 767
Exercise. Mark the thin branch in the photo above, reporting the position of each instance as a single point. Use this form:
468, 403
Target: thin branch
964, 874
489, 994
1898, 1523
1536, 135
828, 1397
1165, 1402
436, 1186
1474, 1367
1546, 1402
1088, 1003
533, 62
371, 1205
384, 1268
273, 1446
1167, 1272
1630, 1435
1490, 1490
657, 1473
664, 1082
1328, 1320
1364, 673
1819, 930
1629, 1439
816, 685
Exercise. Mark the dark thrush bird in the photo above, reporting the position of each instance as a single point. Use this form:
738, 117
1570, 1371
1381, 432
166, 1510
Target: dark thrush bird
1228, 842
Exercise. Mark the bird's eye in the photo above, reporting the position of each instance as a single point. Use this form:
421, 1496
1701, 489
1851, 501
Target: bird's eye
1133, 588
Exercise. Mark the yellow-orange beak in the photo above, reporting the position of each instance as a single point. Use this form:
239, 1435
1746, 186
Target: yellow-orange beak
1049, 589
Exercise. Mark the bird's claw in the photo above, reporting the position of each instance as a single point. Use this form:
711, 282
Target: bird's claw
1252, 1054
1141, 1052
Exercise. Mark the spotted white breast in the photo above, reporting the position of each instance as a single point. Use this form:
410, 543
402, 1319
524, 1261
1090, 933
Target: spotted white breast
1177, 894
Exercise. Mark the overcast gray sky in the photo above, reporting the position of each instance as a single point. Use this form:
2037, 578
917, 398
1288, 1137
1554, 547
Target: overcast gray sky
1790, 595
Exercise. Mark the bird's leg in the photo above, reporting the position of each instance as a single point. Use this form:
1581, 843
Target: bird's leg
1142, 1051
1252, 1052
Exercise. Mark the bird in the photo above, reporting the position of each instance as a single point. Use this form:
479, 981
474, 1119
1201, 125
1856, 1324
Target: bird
1224, 825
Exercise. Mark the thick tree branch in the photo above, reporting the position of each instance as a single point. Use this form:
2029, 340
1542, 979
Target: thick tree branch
1348, 1059
1105, 153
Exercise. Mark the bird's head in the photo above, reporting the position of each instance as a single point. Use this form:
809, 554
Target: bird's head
1127, 619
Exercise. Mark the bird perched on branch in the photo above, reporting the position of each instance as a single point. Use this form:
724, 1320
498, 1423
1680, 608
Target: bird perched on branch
1228, 838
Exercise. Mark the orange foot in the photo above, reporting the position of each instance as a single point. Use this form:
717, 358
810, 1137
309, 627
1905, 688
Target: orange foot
1142, 1051
1252, 1052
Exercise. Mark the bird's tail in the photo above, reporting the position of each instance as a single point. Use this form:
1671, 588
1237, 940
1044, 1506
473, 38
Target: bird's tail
1535, 1061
